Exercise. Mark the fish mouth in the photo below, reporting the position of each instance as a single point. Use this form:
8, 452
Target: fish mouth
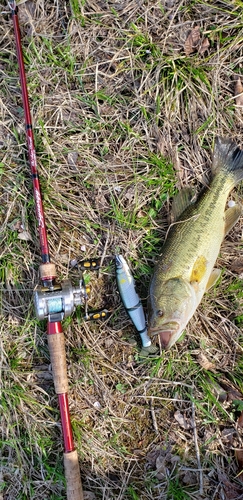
166, 333
119, 260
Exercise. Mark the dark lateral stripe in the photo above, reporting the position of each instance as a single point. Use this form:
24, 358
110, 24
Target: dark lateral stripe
134, 307
142, 331
28, 126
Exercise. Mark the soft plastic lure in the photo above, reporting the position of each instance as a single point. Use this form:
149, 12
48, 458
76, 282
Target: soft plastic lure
130, 299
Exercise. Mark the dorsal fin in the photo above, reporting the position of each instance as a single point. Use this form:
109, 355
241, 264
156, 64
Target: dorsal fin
181, 201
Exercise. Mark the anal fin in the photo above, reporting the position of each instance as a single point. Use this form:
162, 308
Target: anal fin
231, 216
214, 276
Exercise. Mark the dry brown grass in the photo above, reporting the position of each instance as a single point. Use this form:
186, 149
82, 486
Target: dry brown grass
111, 89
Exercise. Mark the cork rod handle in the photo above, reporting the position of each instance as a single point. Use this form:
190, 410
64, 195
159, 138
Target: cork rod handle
72, 475
56, 343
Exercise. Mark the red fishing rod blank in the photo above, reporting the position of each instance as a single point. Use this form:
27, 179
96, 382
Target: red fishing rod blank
52, 301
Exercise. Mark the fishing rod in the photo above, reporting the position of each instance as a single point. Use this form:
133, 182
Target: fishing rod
53, 301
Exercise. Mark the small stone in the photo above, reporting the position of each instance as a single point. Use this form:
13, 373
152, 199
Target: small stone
97, 405
73, 262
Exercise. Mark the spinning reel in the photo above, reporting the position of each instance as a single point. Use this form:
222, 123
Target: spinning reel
56, 301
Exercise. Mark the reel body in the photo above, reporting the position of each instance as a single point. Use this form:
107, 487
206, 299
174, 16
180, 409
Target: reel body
58, 301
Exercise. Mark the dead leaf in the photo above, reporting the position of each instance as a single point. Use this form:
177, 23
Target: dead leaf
26, 12
192, 41
26, 16
238, 92
130, 194
217, 390
160, 467
204, 46
108, 342
64, 257
88, 495
182, 421
237, 266
24, 235
44, 375
232, 392
230, 489
16, 225
160, 140
169, 4
205, 363
141, 213
156, 452
239, 458
72, 158
138, 453
240, 421
101, 202
227, 436
189, 478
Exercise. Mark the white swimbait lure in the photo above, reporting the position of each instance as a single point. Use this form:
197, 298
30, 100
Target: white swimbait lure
130, 298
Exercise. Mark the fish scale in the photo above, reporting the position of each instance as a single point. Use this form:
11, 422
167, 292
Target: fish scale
185, 269
207, 220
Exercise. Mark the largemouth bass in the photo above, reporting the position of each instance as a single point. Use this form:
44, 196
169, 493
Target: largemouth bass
185, 269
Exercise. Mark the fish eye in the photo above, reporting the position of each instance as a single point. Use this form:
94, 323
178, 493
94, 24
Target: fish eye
160, 313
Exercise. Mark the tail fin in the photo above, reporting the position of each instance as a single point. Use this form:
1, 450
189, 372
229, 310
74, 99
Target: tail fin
229, 158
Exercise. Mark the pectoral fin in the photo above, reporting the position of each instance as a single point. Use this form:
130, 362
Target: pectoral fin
199, 269
214, 276
231, 216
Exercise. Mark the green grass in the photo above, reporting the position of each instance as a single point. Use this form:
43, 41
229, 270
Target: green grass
176, 491
123, 119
